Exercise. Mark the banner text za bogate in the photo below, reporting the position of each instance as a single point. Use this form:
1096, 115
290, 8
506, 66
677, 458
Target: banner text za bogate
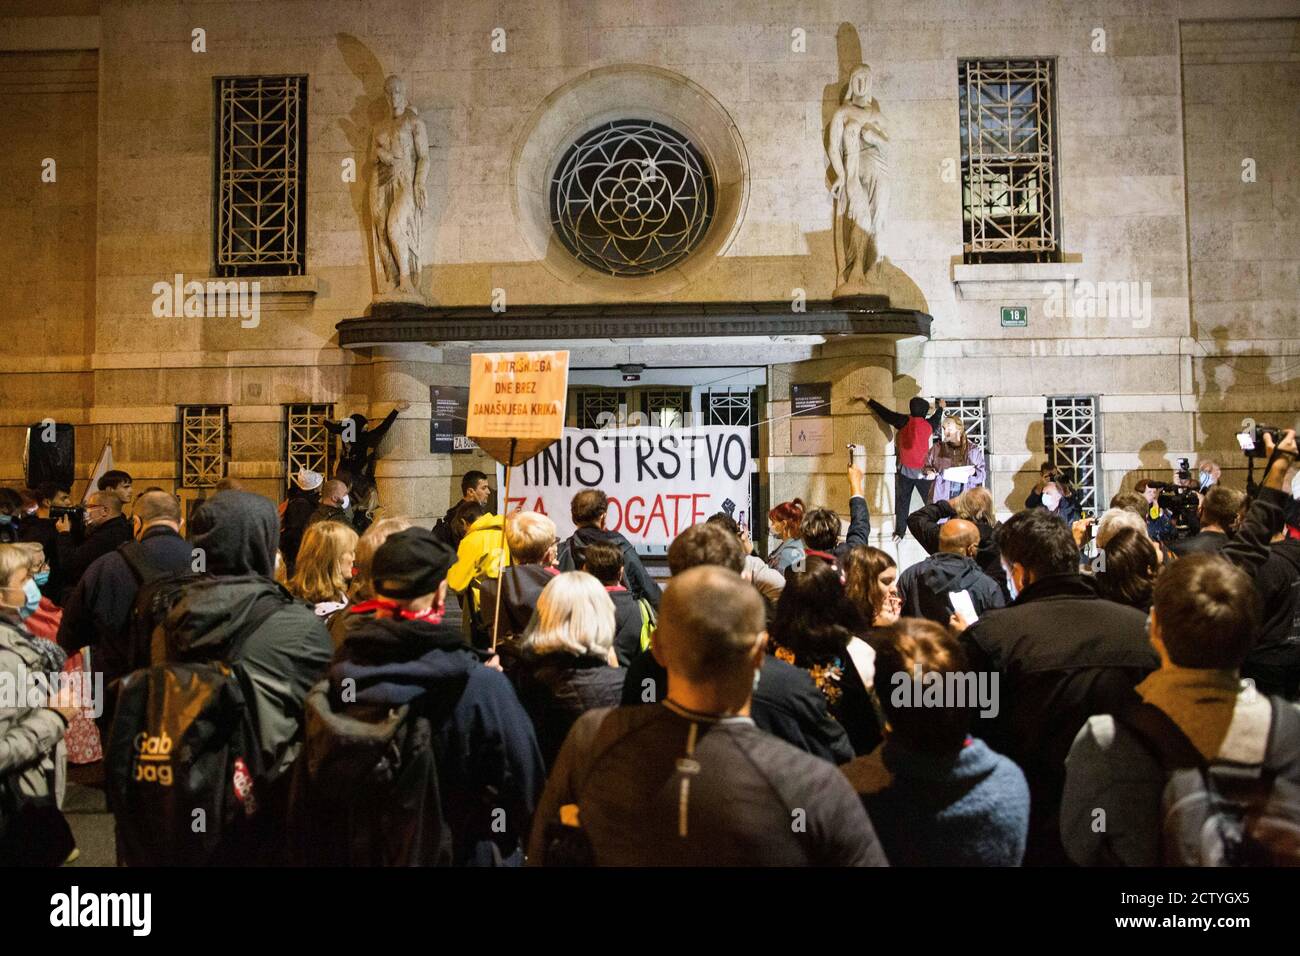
659, 481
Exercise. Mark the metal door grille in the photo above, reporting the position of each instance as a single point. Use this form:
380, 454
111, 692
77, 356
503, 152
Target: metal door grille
1073, 440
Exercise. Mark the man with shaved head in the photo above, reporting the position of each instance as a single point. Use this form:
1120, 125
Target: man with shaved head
692, 781
925, 587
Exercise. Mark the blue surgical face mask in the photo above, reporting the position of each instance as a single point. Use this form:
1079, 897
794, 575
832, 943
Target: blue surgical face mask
5, 519
42, 578
33, 595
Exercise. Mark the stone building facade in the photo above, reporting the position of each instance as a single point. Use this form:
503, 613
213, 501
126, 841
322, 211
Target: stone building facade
1176, 177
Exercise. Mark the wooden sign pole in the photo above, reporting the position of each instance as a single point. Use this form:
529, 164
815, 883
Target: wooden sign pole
501, 563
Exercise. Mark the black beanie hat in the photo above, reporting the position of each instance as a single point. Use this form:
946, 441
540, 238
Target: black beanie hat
410, 563
919, 407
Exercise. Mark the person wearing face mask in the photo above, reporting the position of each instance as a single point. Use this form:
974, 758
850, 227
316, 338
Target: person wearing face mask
33, 760
11, 513
334, 503
99, 606
1061, 653
106, 528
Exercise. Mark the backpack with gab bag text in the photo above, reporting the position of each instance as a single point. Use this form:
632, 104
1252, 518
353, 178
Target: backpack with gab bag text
181, 757
1223, 813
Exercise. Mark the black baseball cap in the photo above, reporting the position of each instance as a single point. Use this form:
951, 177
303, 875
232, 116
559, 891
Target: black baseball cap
410, 563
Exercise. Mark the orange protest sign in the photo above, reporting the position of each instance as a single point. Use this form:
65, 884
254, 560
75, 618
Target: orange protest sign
519, 398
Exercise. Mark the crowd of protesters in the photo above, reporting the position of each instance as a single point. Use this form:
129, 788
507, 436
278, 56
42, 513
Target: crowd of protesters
1045, 690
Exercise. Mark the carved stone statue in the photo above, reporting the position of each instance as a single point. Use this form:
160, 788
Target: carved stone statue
861, 185
399, 152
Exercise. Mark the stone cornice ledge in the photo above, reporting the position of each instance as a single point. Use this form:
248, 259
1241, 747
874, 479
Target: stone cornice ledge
1003, 280
620, 321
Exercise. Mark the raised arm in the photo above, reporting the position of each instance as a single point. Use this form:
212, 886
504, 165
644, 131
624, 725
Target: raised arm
887, 415
1249, 548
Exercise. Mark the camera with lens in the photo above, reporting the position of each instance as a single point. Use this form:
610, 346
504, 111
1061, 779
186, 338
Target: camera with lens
76, 515
1251, 438
1181, 503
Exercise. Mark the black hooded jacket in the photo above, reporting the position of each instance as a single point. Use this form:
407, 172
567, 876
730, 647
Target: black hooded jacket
1062, 654
280, 660
487, 753
639, 581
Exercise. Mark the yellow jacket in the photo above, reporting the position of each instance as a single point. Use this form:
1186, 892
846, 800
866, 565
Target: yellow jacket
480, 554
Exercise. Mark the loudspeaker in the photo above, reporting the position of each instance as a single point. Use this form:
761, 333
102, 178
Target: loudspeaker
51, 453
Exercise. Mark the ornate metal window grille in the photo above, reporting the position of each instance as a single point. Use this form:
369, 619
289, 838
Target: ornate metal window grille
261, 176
631, 198
308, 444
205, 445
600, 408
1008, 160
728, 406
974, 414
666, 408
1073, 443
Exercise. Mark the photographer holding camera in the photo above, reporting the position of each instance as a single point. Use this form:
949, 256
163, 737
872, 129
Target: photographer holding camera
1262, 550
1172, 510
1220, 510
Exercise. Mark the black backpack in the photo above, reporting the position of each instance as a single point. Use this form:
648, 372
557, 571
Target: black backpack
365, 789
181, 757
1222, 813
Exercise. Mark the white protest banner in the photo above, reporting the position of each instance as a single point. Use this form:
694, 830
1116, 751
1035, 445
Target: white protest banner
659, 481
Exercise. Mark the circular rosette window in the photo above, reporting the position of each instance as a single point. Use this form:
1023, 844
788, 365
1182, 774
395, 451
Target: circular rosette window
631, 198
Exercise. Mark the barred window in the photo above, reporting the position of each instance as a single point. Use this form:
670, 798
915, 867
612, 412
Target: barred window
974, 414
1073, 443
665, 407
601, 408
307, 442
1008, 160
204, 444
261, 176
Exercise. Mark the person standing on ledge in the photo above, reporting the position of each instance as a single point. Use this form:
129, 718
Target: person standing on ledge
912, 444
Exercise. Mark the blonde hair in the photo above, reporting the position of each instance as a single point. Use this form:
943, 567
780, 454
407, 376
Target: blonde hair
976, 504
529, 535
574, 615
318, 573
14, 558
35, 553
363, 585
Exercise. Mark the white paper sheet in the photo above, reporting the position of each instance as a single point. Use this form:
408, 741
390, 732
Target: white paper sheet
959, 474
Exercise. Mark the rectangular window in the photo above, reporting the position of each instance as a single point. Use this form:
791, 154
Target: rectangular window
1008, 160
308, 444
600, 408
260, 190
204, 445
1073, 443
665, 407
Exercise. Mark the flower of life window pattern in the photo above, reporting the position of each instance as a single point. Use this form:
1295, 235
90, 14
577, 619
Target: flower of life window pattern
973, 413
1008, 160
308, 443
205, 445
261, 175
631, 198
1072, 444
